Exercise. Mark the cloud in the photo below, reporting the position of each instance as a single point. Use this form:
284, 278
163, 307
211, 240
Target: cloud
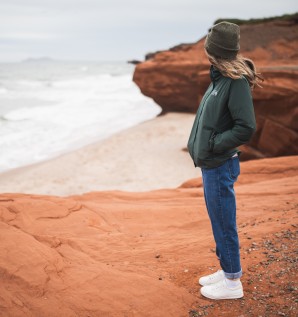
114, 29
28, 36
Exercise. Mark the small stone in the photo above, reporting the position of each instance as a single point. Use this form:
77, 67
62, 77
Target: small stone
251, 269
157, 256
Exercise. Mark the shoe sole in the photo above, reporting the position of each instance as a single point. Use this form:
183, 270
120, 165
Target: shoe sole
235, 296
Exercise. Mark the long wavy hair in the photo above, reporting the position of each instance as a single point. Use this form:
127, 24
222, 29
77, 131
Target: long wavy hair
236, 68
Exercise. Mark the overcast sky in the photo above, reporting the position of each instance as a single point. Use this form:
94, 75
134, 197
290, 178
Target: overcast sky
114, 29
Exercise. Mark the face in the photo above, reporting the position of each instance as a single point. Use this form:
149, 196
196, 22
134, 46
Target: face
208, 56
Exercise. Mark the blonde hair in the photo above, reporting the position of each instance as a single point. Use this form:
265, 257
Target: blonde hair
235, 68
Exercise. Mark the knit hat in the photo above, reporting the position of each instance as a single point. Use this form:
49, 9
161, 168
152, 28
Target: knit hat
223, 40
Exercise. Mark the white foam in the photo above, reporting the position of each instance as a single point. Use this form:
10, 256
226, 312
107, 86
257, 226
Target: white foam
78, 111
3, 91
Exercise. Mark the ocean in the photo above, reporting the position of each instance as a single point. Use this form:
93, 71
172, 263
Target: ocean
48, 108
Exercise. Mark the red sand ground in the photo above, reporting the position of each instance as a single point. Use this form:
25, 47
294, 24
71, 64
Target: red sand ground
127, 254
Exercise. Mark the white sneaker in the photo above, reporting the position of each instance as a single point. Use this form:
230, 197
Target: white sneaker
212, 278
220, 290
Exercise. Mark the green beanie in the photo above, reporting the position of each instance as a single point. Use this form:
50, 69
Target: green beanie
223, 40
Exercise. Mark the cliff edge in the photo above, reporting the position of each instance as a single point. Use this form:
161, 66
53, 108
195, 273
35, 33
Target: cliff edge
177, 78
119, 254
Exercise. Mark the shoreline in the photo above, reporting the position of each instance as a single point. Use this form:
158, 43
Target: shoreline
72, 149
150, 153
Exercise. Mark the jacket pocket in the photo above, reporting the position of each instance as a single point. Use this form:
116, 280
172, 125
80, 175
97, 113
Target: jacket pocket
201, 145
211, 140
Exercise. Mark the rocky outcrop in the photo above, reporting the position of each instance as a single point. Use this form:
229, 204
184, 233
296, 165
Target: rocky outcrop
130, 254
177, 79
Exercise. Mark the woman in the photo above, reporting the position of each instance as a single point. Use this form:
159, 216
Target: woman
225, 120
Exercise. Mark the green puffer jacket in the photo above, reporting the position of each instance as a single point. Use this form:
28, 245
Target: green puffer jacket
225, 119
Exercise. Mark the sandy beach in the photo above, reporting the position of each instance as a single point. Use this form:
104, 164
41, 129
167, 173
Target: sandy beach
145, 157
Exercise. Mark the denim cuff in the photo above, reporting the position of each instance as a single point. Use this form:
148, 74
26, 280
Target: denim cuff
233, 275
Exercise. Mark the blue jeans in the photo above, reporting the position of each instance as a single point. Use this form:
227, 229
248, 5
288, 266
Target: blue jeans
221, 206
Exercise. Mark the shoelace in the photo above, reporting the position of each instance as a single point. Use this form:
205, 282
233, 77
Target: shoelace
212, 276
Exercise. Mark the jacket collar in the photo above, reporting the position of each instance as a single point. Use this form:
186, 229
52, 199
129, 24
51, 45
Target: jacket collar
215, 74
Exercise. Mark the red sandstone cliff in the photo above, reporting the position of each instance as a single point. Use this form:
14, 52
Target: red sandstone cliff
176, 79
117, 254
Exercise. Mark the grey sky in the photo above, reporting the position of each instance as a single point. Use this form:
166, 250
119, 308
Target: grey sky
115, 29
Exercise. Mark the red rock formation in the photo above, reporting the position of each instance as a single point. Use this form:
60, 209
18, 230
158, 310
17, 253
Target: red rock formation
177, 79
128, 254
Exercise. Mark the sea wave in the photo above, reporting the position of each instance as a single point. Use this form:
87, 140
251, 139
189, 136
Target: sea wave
50, 114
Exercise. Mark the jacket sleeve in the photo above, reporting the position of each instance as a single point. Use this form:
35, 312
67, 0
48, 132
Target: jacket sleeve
241, 108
